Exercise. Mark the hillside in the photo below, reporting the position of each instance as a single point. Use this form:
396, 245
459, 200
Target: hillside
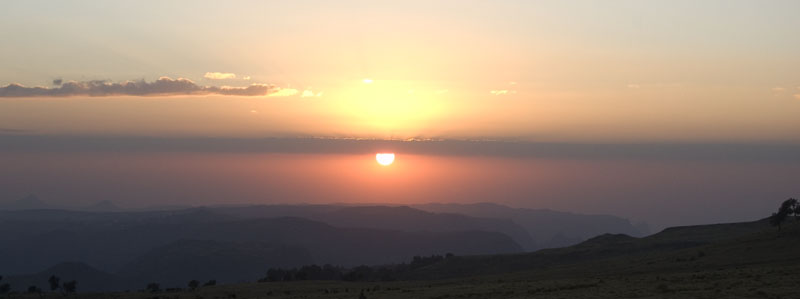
125, 250
226, 262
550, 229
143, 244
600, 247
742, 260
532, 229
400, 218
409, 219
83, 273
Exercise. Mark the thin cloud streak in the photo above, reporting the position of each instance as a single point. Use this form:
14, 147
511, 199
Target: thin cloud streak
219, 76
502, 92
164, 86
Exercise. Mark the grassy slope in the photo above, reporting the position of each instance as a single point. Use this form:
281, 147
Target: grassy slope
759, 264
601, 247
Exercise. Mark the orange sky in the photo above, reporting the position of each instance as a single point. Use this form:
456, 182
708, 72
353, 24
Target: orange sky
520, 70
660, 192
576, 83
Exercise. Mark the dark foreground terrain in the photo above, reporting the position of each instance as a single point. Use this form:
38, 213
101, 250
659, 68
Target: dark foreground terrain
742, 260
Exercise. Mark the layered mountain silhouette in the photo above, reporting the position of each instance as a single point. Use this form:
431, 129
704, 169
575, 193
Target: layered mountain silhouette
239, 243
103, 206
161, 244
550, 229
722, 237
205, 260
88, 277
235, 260
391, 218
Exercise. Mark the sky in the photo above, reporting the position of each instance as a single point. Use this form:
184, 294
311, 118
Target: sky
671, 112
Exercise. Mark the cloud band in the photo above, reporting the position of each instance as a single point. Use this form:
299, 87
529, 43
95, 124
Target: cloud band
164, 86
219, 76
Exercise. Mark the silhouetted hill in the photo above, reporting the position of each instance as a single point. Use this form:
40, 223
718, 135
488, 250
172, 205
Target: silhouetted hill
533, 229
35, 239
550, 229
733, 264
103, 206
702, 234
688, 254
409, 219
383, 217
178, 262
113, 242
354, 246
88, 278
597, 248
272, 211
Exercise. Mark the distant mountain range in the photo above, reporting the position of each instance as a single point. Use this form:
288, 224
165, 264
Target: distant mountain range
32, 202
533, 229
238, 243
390, 218
234, 260
550, 229
609, 246
88, 277
145, 245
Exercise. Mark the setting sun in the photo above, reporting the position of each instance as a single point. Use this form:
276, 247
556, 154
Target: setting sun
384, 159
237, 135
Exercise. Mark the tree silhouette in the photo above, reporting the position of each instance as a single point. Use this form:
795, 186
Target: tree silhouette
153, 287
193, 284
5, 288
776, 219
70, 286
795, 206
54, 282
34, 290
788, 207
275, 274
210, 283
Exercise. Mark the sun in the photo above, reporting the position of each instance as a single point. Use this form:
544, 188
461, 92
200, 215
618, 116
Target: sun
384, 159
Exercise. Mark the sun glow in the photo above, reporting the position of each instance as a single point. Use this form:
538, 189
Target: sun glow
384, 159
387, 107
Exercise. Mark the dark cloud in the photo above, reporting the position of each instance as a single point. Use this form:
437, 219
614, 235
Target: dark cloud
164, 86
741, 152
58, 82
